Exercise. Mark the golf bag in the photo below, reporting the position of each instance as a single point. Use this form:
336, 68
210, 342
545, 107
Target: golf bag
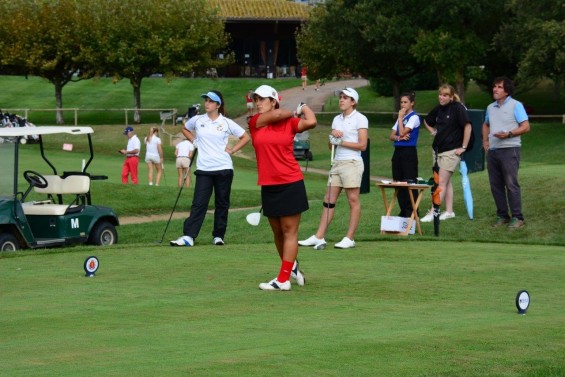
192, 111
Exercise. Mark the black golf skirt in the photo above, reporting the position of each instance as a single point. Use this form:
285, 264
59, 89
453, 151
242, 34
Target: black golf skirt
284, 200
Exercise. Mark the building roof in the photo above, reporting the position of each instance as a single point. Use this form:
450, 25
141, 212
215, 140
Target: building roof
259, 10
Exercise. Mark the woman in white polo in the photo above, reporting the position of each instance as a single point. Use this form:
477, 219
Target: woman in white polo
349, 136
210, 133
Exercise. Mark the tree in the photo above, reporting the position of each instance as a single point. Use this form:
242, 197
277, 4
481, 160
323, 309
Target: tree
454, 35
369, 37
142, 37
44, 38
535, 38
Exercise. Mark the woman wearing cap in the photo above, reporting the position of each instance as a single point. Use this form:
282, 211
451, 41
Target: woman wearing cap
404, 134
283, 194
210, 133
131, 152
154, 155
349, 137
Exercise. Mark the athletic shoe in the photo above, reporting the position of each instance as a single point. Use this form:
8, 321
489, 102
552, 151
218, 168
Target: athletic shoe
516, 223
182, 241
275, 285
500, 221
297, 274
429, 217
447, 215
218, 241
345, 243
318, 243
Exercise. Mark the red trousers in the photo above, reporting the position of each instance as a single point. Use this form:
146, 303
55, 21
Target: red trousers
130, 167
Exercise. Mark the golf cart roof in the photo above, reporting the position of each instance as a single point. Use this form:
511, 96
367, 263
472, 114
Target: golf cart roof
44, 130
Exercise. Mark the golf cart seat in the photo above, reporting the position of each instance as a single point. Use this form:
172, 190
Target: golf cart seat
78, 185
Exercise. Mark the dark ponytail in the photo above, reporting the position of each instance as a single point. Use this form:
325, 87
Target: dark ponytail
221, 109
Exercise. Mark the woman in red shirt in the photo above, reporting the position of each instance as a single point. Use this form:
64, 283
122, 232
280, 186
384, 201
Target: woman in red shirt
283, 194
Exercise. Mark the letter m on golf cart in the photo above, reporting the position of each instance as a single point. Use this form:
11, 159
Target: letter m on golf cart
49, 208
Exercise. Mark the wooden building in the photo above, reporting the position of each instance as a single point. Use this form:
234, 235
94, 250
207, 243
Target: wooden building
262, 36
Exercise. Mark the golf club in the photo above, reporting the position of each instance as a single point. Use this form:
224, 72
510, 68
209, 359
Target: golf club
178, 196
254, 217
163, 173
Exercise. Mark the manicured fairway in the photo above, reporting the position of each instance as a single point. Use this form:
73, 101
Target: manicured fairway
384, 308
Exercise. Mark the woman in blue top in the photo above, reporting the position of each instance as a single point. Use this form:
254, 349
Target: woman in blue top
404, 134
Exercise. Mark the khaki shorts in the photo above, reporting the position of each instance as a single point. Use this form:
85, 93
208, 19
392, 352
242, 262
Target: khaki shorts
249, 105
448, 160
183, 162
346, 174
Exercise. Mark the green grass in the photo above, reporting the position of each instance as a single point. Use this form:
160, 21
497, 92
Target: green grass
384, 308
415, 306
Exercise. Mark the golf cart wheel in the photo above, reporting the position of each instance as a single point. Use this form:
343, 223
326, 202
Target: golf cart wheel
8, 242
104, 234
309, 156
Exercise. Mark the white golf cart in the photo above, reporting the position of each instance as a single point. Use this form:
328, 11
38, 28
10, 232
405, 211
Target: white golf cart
64, 214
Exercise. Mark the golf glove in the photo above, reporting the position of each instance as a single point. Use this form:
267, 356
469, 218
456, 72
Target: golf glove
194, 142
335, 140
298, 111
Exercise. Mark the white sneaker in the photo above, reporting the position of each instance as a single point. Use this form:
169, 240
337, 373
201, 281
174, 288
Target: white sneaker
345, 243
297, 275
275, 285
428, 218
447, 215
218, 241
182, 241
318, 243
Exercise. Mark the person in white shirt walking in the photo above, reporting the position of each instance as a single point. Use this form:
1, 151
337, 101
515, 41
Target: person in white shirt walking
184, 152
154, 155
132, 156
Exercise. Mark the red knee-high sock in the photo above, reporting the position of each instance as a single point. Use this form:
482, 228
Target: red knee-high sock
286, 269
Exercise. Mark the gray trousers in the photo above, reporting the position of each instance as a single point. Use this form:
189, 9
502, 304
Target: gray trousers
503, 167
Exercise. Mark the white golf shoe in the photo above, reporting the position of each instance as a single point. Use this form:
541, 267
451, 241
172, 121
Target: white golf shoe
447, 215
275, 285
317, 243
183, 241
297, 274
428, 218
345, 243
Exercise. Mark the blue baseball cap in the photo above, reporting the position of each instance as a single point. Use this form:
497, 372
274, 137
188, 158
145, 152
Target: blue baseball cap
213, 96
128, 129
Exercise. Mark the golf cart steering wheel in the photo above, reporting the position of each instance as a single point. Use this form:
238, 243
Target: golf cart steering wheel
35, 179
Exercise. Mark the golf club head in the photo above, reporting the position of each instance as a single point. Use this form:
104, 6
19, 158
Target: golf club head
253, 218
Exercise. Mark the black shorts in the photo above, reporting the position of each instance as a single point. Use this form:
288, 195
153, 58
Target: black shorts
284, 200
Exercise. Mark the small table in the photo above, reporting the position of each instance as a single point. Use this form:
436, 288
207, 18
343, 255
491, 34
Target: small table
419, 188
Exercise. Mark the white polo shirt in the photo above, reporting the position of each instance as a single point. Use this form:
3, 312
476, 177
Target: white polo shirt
350, 126
212, 139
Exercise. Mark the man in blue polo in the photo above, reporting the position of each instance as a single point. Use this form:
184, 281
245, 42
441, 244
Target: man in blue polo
505, 121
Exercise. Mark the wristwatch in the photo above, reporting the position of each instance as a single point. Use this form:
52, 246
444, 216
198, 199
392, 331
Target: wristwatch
510, 134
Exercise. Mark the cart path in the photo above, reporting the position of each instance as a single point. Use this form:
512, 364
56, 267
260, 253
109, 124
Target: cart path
290, 99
